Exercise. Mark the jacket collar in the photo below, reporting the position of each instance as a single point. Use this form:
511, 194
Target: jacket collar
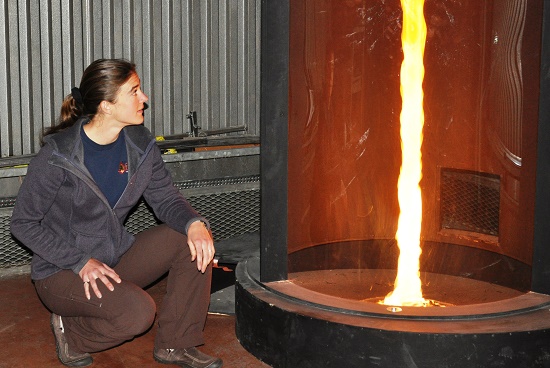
68, 145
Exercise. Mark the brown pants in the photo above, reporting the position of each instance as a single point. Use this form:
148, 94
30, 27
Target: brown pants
98, 324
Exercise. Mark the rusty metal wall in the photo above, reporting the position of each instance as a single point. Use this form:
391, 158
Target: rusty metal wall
192, 55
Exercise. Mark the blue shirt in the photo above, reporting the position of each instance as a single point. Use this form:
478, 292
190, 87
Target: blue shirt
108, 165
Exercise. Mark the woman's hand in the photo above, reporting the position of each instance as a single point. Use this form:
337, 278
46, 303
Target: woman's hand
94, 270
200, 244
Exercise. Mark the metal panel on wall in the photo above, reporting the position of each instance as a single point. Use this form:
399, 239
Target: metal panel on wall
192, 55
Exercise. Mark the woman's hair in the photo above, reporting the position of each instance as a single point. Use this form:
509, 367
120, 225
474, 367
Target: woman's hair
100, 82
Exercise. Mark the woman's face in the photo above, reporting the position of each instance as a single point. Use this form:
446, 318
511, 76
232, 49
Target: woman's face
130, 103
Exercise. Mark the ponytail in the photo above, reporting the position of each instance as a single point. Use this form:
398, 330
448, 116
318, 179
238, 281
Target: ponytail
70, 113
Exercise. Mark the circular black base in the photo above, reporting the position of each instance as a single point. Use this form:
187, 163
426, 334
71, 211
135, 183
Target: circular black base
285, 331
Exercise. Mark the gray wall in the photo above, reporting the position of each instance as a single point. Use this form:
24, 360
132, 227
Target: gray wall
192, 55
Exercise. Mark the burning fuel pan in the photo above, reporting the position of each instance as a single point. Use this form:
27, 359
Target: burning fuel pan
287, 325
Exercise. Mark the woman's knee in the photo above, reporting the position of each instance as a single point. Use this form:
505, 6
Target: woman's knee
138, 313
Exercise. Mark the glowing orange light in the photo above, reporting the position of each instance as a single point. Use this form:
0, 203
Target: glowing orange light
408, 288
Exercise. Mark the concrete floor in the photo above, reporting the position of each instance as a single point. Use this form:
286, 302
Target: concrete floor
26, 340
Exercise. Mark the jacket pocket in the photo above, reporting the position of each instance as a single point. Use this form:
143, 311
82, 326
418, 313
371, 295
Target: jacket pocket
98, 247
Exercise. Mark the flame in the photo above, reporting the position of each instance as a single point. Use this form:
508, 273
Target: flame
408, 288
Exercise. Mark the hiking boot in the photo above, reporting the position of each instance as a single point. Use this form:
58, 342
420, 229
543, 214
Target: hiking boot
64, 353
189, 358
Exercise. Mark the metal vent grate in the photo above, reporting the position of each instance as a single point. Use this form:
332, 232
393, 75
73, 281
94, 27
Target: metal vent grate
231, 213
217, 182
7, 202
470, 201
232, 207
11, 253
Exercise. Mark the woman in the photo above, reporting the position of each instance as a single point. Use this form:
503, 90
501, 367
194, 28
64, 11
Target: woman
93, 167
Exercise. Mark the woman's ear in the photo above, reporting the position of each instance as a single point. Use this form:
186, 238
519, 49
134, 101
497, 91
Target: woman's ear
105, 107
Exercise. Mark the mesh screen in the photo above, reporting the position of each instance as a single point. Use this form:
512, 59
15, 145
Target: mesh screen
217, 182
470, 201
11, 253
231, 209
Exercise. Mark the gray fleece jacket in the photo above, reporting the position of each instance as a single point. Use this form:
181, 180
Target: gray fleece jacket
62, 216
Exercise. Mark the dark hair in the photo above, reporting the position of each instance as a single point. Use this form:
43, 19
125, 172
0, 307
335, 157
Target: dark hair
100, 82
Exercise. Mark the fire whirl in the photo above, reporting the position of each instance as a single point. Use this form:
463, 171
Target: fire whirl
408, 289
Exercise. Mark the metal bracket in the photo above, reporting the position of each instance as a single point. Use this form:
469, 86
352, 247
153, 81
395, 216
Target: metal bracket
192, 116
